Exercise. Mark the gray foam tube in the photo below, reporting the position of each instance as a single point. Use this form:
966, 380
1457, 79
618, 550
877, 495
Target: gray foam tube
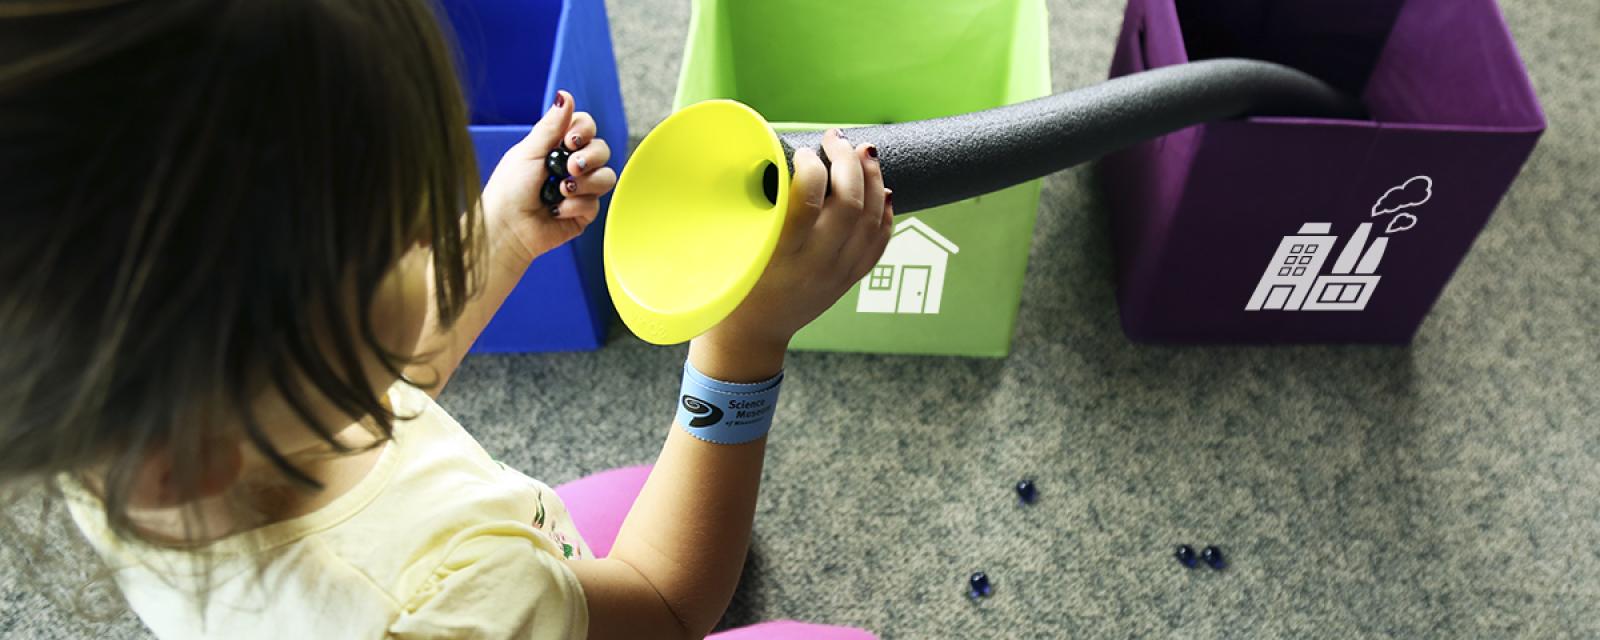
933, 162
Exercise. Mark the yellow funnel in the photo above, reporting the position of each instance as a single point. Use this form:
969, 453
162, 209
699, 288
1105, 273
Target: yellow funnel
694, 219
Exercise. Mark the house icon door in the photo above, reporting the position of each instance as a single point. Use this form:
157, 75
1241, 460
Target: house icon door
913, 289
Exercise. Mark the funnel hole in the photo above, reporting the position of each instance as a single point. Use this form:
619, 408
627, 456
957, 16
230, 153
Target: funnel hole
769, 182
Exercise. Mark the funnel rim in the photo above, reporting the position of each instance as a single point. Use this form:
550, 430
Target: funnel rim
645, 313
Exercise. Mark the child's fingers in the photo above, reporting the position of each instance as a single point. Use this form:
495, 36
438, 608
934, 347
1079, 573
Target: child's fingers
593, 156
580, 132
846, 171
548, 130
593, 184
871, 185
807, 189
837, 223
864, 233
581, 209
878, 240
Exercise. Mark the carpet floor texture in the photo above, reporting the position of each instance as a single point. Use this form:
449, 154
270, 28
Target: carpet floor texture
1448, 489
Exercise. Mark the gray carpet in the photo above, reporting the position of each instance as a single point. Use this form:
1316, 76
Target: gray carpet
1450, 489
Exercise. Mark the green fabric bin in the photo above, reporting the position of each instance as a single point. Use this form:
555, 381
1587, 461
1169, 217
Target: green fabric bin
951, 279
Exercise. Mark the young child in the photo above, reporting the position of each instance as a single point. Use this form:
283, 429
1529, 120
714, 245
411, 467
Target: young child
242, 248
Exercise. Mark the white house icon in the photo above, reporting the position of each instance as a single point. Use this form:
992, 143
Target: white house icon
910, 276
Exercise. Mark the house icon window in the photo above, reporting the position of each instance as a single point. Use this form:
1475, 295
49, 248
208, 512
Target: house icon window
910, 276
882, 278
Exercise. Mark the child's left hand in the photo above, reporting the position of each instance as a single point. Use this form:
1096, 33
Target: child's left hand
511, 202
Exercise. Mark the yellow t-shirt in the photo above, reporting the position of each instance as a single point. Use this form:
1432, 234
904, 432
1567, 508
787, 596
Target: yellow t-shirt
438, 541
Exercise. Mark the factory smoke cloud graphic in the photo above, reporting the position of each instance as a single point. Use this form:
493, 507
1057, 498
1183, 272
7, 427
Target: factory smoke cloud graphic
1400, 223
1413, 193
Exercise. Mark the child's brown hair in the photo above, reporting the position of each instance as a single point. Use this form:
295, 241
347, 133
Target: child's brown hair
193, 193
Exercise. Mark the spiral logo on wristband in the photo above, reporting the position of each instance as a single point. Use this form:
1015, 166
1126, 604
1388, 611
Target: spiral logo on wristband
705, 413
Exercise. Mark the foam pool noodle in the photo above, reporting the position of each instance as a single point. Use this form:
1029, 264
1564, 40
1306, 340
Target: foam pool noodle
699, 208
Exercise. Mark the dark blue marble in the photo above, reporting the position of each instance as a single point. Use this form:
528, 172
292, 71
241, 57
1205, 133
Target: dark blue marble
1027, 492
556, 162
550, 193
1213, 556
1185, 555
979, 586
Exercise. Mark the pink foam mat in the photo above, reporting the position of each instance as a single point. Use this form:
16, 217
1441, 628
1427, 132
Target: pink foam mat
598, 504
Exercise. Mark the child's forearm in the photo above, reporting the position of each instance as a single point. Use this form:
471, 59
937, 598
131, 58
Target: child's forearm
689, 530
679, 554
442, 348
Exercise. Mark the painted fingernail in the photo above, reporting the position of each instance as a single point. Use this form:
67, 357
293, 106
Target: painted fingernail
839, 133
576, 140
872, 150
561, 100
583, 164
570, 184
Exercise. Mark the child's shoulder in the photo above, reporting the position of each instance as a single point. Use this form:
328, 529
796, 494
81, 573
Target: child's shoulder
435, 511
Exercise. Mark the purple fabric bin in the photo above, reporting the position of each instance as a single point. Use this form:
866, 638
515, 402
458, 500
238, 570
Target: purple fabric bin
1292, 230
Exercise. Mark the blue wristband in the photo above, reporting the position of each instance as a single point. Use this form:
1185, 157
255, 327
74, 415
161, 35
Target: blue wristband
726, 412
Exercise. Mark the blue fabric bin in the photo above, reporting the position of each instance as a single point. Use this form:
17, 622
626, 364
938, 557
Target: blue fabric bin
515, 55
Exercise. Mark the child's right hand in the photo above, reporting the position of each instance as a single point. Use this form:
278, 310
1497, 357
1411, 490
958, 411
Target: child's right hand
828, 244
